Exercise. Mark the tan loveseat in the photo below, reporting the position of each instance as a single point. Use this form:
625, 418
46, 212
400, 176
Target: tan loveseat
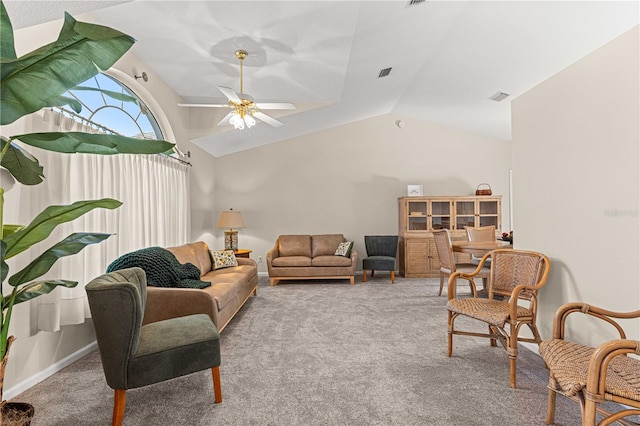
303, 257
230, 288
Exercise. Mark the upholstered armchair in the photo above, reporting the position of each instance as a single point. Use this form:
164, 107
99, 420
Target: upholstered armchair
381, 255
134, 355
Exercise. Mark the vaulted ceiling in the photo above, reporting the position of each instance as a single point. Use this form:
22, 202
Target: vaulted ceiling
446, 57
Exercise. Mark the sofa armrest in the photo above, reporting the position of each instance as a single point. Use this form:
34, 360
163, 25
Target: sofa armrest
354, 260
246, 261
271, 254
166, 303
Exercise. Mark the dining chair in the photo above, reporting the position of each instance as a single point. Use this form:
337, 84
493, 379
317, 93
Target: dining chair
593, 375
381, 255
135, 355
512, 301
448, 263
480, 233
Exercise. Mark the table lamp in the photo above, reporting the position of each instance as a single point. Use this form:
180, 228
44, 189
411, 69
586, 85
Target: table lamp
230, 219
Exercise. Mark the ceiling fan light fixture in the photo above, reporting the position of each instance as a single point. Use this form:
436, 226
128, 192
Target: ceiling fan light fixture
249, 120
237, 121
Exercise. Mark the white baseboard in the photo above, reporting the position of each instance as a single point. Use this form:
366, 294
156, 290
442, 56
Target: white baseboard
49, 371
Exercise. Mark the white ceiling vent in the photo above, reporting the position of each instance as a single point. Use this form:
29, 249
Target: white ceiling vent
415, 2
385, 72
498, 96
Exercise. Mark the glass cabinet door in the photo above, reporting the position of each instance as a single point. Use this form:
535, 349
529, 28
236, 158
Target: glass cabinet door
440, 215
465, 214
417, 217
488, 213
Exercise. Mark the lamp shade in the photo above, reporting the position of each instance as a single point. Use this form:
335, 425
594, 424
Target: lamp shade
230, 219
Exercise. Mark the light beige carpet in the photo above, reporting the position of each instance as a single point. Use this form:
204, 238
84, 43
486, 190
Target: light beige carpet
325, 353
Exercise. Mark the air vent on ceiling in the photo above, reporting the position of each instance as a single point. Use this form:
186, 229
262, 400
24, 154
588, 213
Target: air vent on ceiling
498, 96
385, 72
415, 2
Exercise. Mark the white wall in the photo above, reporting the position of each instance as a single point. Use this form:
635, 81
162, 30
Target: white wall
348, 179
576, 182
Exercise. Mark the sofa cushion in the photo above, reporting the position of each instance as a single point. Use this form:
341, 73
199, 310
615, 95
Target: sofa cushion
331, 260
344, 249
294, 245
325, 245
294, 261
225, 281
196, 253
223, 259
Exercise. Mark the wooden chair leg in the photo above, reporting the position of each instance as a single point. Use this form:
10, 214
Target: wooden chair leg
393, 277
364, 275
373, 271
450, 320
513, 354
551, 408
217, 389
441, 284
119, 401
492, 330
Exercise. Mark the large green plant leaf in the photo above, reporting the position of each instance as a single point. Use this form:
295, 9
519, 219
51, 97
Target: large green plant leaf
67, 247
10, 229
43, 224
22, 165
62, 101
7, 48
94, 143
110, 93
37, 288
34, 80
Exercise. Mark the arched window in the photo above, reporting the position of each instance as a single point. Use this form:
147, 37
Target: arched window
111, 106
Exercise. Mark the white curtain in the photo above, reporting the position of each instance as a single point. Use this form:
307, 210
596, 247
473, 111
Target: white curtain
154, 191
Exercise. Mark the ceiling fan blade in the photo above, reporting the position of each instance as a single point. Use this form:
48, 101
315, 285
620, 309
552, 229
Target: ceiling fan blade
230, 94
275, 105
269, 120
204, 105
226, 119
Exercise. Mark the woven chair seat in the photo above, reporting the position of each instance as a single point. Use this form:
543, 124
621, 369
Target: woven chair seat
570, 362
494, 312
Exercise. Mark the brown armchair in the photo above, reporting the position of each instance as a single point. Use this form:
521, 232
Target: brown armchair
593, 375
516, 277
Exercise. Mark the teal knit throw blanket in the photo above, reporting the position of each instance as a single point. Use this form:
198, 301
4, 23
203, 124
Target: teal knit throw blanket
161, 268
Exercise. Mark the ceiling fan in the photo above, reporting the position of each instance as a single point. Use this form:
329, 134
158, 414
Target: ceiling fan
244, 110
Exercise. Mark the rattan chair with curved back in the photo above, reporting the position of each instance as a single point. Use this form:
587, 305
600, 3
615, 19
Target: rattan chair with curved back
480, 233
448, 263
512, 301
593, 375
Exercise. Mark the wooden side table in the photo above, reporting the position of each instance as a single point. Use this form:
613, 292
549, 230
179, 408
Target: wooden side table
242, 253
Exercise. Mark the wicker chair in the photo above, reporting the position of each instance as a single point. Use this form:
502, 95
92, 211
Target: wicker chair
448, 263
593, 375
516, 276
480, 233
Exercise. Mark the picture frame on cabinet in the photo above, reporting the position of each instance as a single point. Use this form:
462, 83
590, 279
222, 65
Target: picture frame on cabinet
414, 190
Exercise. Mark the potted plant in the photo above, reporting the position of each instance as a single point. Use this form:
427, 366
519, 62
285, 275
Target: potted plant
29, 83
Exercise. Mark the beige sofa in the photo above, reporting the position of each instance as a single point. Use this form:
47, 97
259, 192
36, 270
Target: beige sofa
230, 288
303, 257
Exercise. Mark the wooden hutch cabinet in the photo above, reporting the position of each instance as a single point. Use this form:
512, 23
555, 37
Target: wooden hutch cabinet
418, 216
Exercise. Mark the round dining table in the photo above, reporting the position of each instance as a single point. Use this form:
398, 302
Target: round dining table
479, 248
